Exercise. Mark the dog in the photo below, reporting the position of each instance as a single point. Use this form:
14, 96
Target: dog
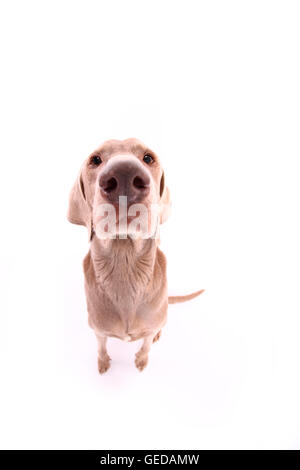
124, 270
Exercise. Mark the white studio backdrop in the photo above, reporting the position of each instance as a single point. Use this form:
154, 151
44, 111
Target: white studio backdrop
213, 88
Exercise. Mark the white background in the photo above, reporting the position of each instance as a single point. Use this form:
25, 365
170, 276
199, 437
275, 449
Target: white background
213, 88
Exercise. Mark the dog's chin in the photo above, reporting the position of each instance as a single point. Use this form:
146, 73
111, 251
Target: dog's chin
136, 222
124, 234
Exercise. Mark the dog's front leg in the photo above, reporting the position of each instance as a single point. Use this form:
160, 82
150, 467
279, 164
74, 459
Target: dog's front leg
141, 357
103, 357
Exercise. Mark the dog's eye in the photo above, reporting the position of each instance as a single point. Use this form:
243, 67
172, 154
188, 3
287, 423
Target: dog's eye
148, 159
95, 160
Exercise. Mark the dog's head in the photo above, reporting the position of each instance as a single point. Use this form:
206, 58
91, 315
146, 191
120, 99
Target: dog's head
120, 186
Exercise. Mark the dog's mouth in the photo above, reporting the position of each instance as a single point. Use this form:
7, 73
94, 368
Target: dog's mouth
125, 218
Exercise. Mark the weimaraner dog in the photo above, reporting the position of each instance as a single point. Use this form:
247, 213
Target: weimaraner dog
125, 271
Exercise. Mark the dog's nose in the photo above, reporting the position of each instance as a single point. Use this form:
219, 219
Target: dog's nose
127, 178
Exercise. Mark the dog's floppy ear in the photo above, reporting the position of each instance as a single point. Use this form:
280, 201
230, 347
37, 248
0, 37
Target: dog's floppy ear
79, 211
165, 200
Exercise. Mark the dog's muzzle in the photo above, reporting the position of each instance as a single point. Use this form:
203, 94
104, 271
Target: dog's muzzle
124, 177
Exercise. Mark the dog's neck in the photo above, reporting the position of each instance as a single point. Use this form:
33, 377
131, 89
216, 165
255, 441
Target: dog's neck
123, 268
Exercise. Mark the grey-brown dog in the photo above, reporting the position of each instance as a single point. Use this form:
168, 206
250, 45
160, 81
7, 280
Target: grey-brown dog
125, 278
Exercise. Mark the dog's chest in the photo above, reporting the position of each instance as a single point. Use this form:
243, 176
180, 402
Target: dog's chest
124, 301
125, 320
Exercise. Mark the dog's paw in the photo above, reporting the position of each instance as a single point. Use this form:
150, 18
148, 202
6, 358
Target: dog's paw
103, 364
157, 336
141, 362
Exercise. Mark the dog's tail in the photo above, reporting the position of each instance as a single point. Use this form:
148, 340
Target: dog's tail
183, 298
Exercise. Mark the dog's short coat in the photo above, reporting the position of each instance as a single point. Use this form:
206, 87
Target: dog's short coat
125, 279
